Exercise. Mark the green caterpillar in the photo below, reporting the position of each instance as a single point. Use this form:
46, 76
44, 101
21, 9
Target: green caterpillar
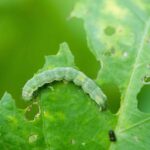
68, 74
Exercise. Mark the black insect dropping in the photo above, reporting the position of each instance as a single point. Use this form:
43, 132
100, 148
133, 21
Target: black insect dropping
112, 136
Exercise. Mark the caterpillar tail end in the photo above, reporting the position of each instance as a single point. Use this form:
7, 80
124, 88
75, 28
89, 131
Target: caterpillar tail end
103, 105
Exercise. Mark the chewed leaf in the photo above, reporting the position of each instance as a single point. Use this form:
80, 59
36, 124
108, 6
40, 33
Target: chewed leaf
70, 114
118, 34
15, 130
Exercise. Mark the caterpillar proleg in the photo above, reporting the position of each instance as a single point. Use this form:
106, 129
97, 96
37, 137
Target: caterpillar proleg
68, 74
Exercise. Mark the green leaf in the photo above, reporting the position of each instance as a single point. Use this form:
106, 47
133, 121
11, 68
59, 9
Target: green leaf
118, 35
70, 118
16, 132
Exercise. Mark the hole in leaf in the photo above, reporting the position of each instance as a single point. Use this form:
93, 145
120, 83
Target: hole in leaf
113, 97
144, 99
146, 80
109, 30
31, 111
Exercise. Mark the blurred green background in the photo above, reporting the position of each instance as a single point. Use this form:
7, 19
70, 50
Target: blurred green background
31, 29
